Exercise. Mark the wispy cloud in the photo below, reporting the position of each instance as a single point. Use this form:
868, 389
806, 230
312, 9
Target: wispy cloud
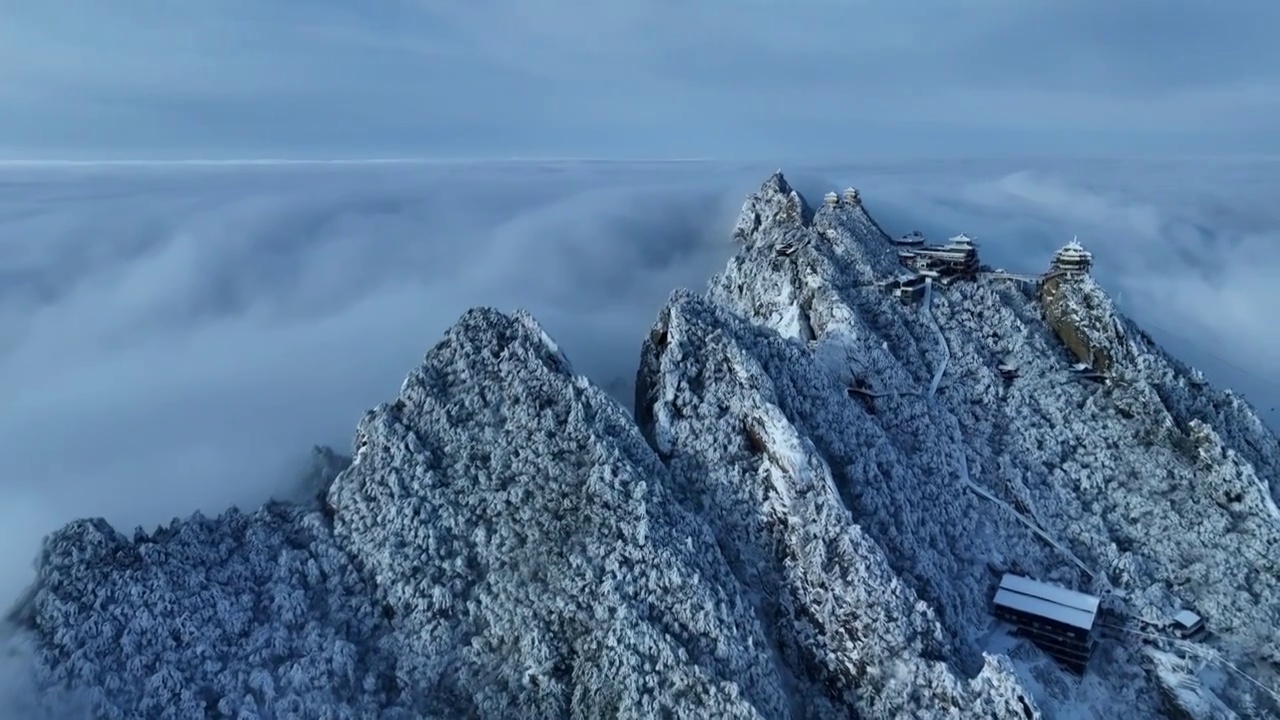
742, 79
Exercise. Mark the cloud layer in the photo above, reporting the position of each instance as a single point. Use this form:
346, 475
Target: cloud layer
626, 78
177, 337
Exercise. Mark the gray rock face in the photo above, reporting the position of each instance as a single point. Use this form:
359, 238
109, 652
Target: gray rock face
506, 542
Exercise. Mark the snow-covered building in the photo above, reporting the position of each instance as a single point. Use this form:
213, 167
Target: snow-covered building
959, 257
851, 196
1072, 258
1059, 621
915, 237
1188, 625
1087, 372
908, 287
831, 199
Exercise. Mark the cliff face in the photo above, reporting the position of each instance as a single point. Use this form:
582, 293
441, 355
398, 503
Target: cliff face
506, 542
1084, 319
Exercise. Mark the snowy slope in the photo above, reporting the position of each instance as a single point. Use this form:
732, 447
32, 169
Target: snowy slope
506, 542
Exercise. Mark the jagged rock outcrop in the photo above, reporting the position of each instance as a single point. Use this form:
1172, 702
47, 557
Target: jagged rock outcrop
506, 542
520, 554
1085, 320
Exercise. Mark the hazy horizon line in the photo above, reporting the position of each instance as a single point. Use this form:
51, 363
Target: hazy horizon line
424, 160
520, 159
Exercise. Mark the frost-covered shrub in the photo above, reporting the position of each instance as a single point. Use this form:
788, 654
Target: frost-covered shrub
527, 541
246, 615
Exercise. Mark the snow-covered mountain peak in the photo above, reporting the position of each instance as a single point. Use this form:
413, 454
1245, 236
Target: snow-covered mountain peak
775, 205
790, 253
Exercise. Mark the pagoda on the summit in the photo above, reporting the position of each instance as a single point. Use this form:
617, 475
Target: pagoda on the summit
1072, 258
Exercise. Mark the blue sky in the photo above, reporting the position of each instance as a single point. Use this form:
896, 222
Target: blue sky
750, 79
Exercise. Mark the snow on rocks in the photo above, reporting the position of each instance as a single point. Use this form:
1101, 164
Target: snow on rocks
533, 558
843, 619
1110, 471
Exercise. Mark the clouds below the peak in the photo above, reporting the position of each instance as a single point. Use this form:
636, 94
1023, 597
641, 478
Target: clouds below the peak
619, 78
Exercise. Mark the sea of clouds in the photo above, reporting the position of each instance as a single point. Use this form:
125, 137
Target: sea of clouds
176, 337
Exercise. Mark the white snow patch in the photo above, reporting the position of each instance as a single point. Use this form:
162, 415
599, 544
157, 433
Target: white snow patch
1181, 681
